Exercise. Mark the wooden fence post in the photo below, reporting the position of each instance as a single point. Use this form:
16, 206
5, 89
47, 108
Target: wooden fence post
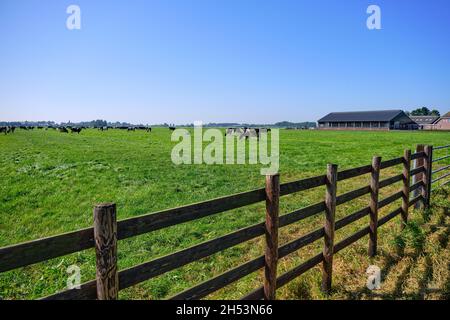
105, 236
272, 221
330, 210
418, 177
374, 190
428, 164
406, 185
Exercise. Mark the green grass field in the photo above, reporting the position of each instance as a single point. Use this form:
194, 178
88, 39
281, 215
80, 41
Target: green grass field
50, 182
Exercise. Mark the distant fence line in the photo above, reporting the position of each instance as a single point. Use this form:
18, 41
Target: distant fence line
107, 231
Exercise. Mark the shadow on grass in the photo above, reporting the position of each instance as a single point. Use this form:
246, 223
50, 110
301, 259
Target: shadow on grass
410, 236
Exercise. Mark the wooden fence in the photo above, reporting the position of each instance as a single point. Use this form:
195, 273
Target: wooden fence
107, 231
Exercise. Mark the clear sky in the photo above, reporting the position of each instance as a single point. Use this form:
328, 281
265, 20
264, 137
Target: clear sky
252, 61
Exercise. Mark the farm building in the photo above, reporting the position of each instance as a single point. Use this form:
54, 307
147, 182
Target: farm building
424, 122
367, 120
443, 123
433, 122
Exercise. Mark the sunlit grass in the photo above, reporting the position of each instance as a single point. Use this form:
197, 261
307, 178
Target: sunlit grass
50, 182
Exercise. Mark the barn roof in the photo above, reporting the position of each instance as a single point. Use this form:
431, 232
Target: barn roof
424, 119
382, 115
447, 115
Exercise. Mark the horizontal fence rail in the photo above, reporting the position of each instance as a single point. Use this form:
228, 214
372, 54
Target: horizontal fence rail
443, 169
442, 147
32, 252
441, 158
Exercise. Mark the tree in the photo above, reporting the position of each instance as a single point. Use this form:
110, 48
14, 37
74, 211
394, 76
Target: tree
435, 113
424, 111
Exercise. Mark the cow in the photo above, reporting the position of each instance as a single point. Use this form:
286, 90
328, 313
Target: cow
76, 130
230, 131
63, 130
131, 129
251, 133
7, 129
149, 129
172, 128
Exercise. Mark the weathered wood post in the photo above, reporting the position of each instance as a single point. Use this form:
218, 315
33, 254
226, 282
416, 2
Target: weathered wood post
428, 164
330, 210
406, 185
105, 236
374, 191
272, 221
418, 177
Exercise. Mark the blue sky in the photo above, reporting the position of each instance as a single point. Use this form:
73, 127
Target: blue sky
220, 60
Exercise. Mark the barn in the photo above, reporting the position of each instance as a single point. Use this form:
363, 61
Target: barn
367, 120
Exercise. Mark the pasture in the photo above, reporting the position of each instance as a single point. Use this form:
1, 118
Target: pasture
50, 182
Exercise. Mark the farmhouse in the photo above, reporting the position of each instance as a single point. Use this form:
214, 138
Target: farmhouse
425, 122
367, 120
433, 122
443, 123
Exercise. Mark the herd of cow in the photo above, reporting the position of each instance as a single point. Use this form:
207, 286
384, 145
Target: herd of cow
67, 129
247, 132
148, 129
106, 128
244, 132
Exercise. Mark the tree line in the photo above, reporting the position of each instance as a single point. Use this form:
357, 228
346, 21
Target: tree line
424, 111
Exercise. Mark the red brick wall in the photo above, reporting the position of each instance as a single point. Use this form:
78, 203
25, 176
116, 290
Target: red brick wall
442, 124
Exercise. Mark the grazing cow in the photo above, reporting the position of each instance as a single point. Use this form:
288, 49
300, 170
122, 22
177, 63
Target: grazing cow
7, 129
149, 129
131, 129
230, 131
63, 130
172, 128
75, 130
251, 133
